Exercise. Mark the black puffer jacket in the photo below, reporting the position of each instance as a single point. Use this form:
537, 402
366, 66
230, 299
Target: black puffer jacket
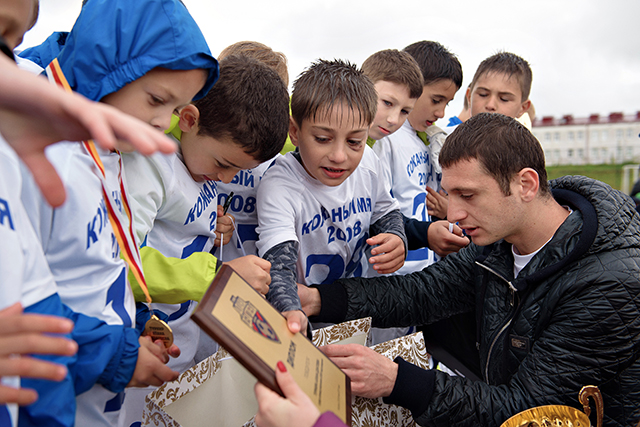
571, 318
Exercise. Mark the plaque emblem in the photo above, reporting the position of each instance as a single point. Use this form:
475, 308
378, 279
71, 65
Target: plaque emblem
253, 318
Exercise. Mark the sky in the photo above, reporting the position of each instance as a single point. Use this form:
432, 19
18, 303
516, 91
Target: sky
585, 54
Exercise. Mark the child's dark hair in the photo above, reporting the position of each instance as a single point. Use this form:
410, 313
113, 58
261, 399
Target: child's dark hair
327, 84
509, 64
262, 53
502, 146
435, 62
248, 103
394, 66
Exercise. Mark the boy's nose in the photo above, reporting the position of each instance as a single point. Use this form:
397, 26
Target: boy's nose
455, 213
491, 104
161, 122
338, 154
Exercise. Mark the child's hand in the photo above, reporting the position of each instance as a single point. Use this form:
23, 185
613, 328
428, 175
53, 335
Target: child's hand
253, 269
224, 227
150, 367
442, 241
27, 334
388, 255
296, 321
437, 203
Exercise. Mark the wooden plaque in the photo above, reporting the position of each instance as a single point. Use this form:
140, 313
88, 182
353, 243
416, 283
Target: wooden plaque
242, 321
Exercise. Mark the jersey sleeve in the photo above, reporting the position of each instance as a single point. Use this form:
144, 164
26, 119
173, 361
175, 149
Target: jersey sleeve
194, 274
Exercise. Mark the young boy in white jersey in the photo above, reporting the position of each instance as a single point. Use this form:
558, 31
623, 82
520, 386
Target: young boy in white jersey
410, 162
244, 185
239, 124
149, 70
318, 206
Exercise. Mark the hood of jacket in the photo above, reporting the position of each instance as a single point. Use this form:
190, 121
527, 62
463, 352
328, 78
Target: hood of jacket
114, 42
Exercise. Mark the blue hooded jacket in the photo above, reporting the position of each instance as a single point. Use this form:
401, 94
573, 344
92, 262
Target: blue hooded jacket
115, 42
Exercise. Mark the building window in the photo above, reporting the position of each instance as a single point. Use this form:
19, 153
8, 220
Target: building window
557, 152
547, 136
604, 152
571, 136
605, 135
629, 153
595, 136
629, 133
619, 134
580, 153
580, 135
594, 153
556, 136
570, 153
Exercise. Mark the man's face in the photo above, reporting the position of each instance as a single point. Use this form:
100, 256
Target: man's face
497, 93
394, 105
16, 17
431, 104
479, 206
154, 97
332, 145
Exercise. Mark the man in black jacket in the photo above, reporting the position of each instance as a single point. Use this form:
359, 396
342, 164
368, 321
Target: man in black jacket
552, 275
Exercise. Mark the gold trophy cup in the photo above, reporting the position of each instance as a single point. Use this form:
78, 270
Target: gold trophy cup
560, 415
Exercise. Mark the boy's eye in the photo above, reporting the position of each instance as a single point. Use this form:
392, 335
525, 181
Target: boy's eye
404, 112
156, 100
466, 196
436, 101
321, 139
387, 103
354, 142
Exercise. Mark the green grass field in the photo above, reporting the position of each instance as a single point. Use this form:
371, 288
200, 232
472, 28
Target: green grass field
609, 173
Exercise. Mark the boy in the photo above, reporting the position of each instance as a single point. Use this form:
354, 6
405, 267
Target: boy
411, 163
501, 84
317, 206
239, 124
148, 70
245, 184
398, 82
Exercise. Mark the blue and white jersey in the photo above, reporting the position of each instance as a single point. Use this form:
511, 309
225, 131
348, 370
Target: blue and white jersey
83, 253
244, 209
331, 224
176, 216
24, 274
409, 168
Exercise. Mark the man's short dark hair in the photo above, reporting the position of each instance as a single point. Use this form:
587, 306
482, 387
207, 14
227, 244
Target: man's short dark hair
435, 62
394, 66
510, 65
328, 84
248, 103
501, 144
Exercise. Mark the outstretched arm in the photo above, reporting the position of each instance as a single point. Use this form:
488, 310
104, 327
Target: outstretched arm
34, 113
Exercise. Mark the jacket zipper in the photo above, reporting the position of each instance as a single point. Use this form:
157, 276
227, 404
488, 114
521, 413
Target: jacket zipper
506, 325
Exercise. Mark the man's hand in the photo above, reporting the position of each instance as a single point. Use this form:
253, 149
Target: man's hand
254, 270
296, 321
372, 375
437, 203
150, 367
294, 410
23, 334
442, 241
224, 227
309, 299
388, 255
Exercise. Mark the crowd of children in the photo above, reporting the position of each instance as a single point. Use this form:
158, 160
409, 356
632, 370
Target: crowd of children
143, 234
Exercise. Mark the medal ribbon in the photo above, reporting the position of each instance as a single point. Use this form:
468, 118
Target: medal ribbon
125, 238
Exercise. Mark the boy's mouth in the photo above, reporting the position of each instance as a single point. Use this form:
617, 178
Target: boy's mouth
333, 172
384, 131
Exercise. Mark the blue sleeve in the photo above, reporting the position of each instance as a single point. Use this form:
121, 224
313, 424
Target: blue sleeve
107, 355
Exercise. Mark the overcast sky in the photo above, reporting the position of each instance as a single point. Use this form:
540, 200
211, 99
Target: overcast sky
585, 54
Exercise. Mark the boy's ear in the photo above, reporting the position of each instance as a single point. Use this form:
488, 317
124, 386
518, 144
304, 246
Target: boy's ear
189, 116
468, 96
523, 108
294, 131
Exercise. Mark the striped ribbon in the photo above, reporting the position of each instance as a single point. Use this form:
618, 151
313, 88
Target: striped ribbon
125, 237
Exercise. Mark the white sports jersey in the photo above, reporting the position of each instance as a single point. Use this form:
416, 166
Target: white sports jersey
409, 169
331, 224
83, 253
24, 273
243, 208
176, 216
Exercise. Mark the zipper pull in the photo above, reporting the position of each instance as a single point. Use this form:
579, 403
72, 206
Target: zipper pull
513, 297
